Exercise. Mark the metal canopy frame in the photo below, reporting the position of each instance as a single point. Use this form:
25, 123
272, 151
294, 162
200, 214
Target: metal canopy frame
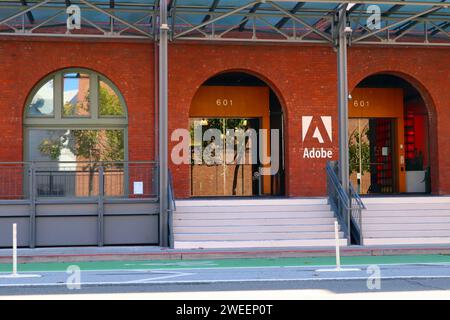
407, 22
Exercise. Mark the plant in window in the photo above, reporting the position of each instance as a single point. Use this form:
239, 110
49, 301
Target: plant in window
359, 151
52, 147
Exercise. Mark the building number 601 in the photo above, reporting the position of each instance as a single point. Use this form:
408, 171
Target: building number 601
361, 103
224, 102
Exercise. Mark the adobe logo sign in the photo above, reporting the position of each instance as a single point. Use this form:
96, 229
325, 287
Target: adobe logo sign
317, 131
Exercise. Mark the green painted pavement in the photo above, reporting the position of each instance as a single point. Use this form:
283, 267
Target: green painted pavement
227, 263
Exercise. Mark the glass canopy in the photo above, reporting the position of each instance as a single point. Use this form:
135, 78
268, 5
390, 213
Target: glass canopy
422, 22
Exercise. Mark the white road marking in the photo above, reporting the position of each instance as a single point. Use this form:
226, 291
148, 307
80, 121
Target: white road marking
171, 275
19, 276
212, 281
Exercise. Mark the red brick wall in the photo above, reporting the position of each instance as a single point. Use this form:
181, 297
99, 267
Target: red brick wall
128, 65
428, 70
304, 77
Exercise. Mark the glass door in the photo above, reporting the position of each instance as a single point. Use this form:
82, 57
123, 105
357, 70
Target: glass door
371, 154
220, 165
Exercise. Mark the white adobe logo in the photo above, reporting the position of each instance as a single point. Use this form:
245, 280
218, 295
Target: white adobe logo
306, 124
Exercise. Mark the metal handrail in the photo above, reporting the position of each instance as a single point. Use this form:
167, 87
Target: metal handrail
356, 212
338, 199
357, 197
172, 207
346, 207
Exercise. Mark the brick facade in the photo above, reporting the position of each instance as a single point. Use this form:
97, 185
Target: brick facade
303, 77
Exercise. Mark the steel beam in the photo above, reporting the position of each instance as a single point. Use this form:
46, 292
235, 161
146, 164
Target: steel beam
431, 10
163, 124
280, 24
29, 14
301, 21
343, 98
95, 7
28, 9
245, 19
201, 25
211, 10
440, 28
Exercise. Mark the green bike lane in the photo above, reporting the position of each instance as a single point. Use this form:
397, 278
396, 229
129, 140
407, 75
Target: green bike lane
229, 263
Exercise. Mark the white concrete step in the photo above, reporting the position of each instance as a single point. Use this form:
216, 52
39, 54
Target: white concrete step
245, 223
251, 215
386, 220
406, 220
258, 244
250, 202
254, 208
254, 236
407, 206
405, 226
406, 213
401, 241
252, 222
254, 228
407, 233
399, 200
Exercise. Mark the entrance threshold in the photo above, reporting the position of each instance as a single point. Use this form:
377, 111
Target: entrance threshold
399, 195
237, 197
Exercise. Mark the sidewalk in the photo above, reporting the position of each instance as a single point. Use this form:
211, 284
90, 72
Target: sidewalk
136, 253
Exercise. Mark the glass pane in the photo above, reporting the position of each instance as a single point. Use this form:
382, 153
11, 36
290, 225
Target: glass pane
220, 168
109, 102
42, 102
76, 145
371, 157
76, 95
79, 153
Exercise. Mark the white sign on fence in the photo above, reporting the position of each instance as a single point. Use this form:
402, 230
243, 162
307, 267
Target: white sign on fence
138, 187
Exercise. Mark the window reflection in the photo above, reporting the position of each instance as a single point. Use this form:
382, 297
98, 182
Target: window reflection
76, 95
73, 175
76, 145
42, 103
109, 102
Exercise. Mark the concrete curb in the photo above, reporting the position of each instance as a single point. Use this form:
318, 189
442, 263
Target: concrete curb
168, 254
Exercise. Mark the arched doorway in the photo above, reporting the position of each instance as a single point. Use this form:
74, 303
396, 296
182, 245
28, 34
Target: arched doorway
389, 137
236, 125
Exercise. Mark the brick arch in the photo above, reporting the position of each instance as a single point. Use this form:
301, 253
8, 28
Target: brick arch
183, 118
416, 83
251, 72
431, 112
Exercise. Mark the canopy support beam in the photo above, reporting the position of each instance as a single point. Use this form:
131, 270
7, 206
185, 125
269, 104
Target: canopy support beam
342, 44
163, 124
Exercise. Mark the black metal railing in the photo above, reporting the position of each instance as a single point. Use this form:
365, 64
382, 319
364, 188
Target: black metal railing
356, 215
346, 207
81, 179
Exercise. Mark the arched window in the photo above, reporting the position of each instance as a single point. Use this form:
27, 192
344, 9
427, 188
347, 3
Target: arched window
75, 115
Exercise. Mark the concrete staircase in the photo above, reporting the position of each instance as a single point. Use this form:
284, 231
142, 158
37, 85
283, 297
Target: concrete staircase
263, 223
406, 220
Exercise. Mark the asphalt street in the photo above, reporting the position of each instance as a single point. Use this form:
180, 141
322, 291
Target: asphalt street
206, 280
